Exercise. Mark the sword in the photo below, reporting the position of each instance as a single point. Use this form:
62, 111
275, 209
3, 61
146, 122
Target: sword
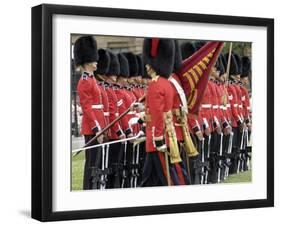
241, 146
102, 181
125, 164
167, 168
229, 149
248, 159
208, 156
219, 169
244, 148
137, 163
108, 143
106, 159
133, 170
202, 160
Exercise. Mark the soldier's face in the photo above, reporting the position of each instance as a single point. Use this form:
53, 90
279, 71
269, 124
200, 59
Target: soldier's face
92, 66
245, 80
112, 79
130, 80
122, 80
149, 70
138, 79
215, 73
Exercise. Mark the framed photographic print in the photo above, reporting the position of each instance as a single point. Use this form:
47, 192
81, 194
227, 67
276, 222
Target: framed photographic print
146, 112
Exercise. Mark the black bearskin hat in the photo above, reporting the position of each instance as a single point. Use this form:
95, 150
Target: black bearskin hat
178, 57
246, 66
199, 44
133, 63
239, 62
124, 65
85, 50
187, 49
114, 66
159, 54
140, 65
103, 62
221, 62
233, 70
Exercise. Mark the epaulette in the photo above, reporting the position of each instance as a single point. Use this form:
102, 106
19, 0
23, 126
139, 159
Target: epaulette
85, 75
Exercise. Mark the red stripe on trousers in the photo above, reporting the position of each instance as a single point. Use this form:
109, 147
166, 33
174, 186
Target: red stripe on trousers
180, 174
163, 164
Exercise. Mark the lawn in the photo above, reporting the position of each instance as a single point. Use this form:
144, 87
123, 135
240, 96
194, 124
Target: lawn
77, 171
240, 177
78, 167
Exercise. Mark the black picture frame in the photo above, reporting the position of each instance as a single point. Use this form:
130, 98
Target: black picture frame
42, 111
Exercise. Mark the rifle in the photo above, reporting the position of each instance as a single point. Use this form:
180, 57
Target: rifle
109, 126
241, 147
229, 149
220, 155
208, 157
202, 160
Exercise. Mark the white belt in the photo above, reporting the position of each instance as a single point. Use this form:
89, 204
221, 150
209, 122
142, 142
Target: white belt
235, 105
240, 106
131, 113
106, 113
119, 103
97, 106
248, 108
223, 107
215, 106
206, 106
116, 114
228, 105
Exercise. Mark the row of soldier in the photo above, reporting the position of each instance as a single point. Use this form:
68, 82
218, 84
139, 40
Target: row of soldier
170, 148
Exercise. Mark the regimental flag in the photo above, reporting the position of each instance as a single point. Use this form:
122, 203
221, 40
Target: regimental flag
194, 74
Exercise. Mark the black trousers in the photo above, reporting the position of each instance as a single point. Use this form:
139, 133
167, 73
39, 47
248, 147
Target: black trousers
92, 164
153, 174
114, 164
235, 150
194, 170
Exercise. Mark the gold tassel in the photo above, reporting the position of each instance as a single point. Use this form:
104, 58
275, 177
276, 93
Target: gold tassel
188, 144
173, 144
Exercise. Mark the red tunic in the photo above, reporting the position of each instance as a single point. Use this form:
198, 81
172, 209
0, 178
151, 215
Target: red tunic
205, 111
105, 104
130, 98
91, 102
239, 100
159, 100
221, 105
233, 100
115, 130
245, 102
136, 92
215, 101
123, 103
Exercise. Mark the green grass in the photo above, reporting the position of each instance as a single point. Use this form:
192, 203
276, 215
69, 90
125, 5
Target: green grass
77, 171
241, 177
78, 168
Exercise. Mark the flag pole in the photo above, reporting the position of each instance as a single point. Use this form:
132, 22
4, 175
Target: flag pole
228, 62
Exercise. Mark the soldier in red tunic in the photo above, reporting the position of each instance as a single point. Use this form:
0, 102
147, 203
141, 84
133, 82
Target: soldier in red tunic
86, 57
158, 56
180, 111
234, 98
246, 70
122, 94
